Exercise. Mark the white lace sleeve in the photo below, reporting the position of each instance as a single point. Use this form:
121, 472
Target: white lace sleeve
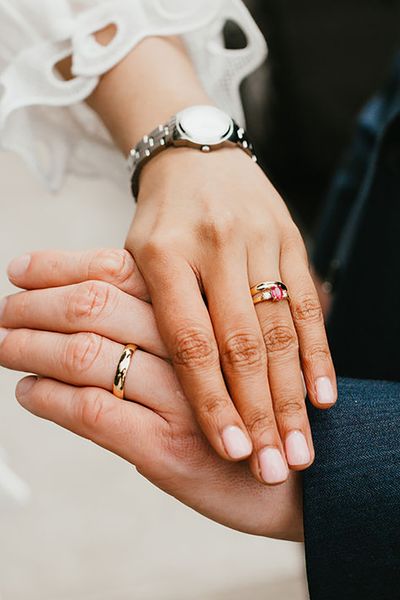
44, 119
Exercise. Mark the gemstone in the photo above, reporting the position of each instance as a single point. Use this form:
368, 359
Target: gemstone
276, 293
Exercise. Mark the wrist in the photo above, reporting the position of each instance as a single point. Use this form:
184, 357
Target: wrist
190, 170
203, 128
155, 80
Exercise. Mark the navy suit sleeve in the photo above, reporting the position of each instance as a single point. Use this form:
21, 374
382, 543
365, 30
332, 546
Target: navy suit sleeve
352, 495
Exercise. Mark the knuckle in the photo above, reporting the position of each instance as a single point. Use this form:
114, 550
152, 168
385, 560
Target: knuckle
126, 269
212, 405
155, 249
243, 350
88, 301
280, 338
217, 230
258, 420
111, 265
81, 352
91, 408
289, 407
307, 309
193, 348
315, 354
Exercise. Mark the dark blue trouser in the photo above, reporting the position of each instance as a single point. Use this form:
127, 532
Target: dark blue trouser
352, 492
352, 495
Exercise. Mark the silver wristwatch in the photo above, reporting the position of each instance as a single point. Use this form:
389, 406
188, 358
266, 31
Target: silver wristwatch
203, 127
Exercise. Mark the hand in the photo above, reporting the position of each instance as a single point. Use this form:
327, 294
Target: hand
156, 431
208, 227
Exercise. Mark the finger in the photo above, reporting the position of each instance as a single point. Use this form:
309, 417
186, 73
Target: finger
92, 306
284, 371
86, 359
244, 362
53, 268
316, 359
185, 326
125, 428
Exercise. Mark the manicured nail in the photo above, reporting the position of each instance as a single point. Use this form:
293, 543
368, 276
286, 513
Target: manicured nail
325, 393
273, 467
18, 266
236, 443
297, 450
24, 386
3, 303
3, 334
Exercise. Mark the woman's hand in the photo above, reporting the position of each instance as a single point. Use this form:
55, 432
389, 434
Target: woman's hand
207, 228
42, 332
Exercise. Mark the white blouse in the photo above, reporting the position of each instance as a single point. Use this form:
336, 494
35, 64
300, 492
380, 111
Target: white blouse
44, 118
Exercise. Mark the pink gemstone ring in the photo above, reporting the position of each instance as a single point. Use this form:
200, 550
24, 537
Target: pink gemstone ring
274, 291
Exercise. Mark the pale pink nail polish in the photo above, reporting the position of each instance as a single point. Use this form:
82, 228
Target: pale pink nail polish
3, 334
273, 467
3, 303
297, 450
18, 266
324, 389
236, 443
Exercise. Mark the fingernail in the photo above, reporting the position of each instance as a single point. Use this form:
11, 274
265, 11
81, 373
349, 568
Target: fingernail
325, 393
3, 334
18, 266
24, 386
273, 467
297, 450
236, 443
3, 303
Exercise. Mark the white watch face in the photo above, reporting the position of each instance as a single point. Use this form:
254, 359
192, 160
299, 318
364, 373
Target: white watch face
205, 125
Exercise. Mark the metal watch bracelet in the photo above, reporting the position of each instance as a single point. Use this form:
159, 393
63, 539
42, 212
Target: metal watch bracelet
163, 136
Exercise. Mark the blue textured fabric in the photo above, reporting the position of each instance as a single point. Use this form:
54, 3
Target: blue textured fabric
352, 492
352, 495
358, 248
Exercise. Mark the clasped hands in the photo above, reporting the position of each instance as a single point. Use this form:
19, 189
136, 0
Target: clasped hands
216, 380
69, 327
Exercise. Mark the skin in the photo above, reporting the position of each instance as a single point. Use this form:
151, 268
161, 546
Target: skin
42, 332
206, 229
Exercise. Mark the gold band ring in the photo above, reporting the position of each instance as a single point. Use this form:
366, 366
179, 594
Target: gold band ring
274, 291
122, 370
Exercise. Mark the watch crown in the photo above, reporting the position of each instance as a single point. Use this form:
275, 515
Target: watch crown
205, 148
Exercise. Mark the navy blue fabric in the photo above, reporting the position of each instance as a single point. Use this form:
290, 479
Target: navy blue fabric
352, 495
352, 492
358, 249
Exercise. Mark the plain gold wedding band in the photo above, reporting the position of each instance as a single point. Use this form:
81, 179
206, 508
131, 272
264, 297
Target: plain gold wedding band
122, 370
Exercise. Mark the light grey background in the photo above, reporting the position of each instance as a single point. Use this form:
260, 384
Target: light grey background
92, 528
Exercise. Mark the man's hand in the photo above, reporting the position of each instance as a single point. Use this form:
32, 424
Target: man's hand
70, 329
